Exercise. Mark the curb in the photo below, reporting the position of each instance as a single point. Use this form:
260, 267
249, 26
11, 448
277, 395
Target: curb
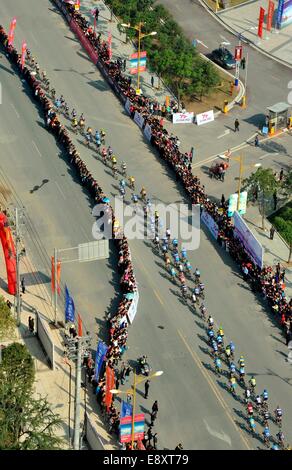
243, 38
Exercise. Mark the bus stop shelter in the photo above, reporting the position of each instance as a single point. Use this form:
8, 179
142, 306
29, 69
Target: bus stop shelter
278, 117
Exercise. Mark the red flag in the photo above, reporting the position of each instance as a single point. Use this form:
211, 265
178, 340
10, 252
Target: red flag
271, 10
261, 22
109, 385
11, 31
79, 325
58, 276
23, 54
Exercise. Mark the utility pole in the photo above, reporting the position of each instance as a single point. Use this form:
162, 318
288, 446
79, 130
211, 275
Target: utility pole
76, 348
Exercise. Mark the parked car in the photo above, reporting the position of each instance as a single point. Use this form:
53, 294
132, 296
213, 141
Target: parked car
223, 57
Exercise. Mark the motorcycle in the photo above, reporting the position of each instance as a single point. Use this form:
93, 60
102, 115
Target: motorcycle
145, 368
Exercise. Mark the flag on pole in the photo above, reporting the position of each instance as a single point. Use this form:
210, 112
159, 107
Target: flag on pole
23, 53
11, 31
69, 307
99, 357
109, 41
134, 62
109, 385
79, 325
58, 276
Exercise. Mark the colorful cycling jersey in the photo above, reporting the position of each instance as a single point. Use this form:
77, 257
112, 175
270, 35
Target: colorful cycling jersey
267, 432
217, 362
184, 253
279, 412
134, 198
241, 370
175, 242
210, 333
176, 258
232, 367
219, 339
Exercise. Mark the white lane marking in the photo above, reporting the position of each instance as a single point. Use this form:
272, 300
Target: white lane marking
224, 39
268, 154
201, 42
16, 112
36, 147
224, 134
220, 435
60, 190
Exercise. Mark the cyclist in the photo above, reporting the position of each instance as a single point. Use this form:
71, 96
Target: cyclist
73, 113
66, 110
134, 198
58, 103
53, 94
232, 349
252, 382
174, 244
228, 352
181, 268
275, 447
266, 435
252, 424
232, 385
74, 125
220, 332
247, 395
143, 194
215, 348
210, 334
173, 273
241, 374
122, 191
219, 342
104, 155
210, 322
124, 168
194, 299
241, 361
265, 396
97, 140
109, 151
81, 123
167, 234
232, 369
182, 278
278, 415
266, 416
218, 365
62, 99
176, 259
203, 311
249, 408
258, 400
88, 136
197, 293
197, 275
188, 267
183, 254
102, 136
184, 290
132, 182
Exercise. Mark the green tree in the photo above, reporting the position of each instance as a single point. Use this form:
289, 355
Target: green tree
287, 183
284, 227
7, 322
26, 423
266, 183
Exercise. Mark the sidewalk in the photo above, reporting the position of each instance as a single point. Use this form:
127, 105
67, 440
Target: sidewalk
245, 16
54, 384
276, 250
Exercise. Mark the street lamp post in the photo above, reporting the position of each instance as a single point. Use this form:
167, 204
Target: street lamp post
140, 37
132, 391
241, 170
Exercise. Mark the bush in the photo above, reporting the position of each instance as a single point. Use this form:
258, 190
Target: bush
7, 322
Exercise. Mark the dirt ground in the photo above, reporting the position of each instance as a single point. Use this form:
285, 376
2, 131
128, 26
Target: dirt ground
215, 100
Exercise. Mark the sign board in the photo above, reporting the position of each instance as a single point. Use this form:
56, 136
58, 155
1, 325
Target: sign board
138, 118
261, 22
127, 106
148, 132
133, 307
182, 118
250, 244
238, 53
210, 223
203, 118
126, 428
280, 13
232, 204
242, 202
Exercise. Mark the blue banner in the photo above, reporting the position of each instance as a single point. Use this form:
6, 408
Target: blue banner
280, 13
69, 306
126, 409
99, 357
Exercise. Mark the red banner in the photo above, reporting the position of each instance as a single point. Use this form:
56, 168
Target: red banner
11, 31
23, 54
271, 10
79, 326
109, 385
238, 53
261, 22
58, 276
84, 41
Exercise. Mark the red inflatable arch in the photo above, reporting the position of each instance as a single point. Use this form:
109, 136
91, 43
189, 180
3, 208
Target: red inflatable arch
9, 253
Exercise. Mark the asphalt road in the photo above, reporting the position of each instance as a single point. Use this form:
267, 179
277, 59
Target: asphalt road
193, 406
